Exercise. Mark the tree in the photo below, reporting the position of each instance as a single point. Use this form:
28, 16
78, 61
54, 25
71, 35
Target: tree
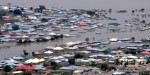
104, 67
71, 61
1, 33
41, 8
132, 39
44, 20
15, 27
91, 13
117, 61
110, 10
54, 65
7, 69
142, 10
61, 36
125, 64
17, 12
2, 13
22, 9
87, 39
78, 55
133, 11
31, 8
112, 68
9, 5
56, 37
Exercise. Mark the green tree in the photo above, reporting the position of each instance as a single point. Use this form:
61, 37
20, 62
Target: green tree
44, 20
61, 36
2, 13
78, 55
15, 27
41, 8
104, 67
31, 8
110, 10
54, 65
17, 12
132, 39
87, 40
125, 64
111, 68
117, 61
9, 5
71, 61
91, 13
133, 11
142, 10
7, 69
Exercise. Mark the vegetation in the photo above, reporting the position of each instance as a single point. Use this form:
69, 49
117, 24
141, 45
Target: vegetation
44, 20
2, 13
104, 67
15, 27
117, 61
41, 8
2, 22
110, 10
132, 39
87, 39
71, 61
7, 68
78, 55
17, 12
91, 13
54, 65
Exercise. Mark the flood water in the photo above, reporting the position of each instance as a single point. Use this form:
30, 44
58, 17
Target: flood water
85, 4
15, 50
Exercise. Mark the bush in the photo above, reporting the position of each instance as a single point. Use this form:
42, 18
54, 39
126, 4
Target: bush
15, 27
2, 13
104, 67
41, 8
91, 13
71, 61
44, 20
78, 55
7, 68
54, 64
17, 12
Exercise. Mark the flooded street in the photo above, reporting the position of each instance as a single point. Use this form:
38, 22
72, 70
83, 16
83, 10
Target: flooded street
84, 4
15, 50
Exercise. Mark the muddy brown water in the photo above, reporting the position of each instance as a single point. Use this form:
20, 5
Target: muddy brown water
10, 49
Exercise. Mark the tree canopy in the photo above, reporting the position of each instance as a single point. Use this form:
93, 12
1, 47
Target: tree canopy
17, 12
2, 13
41, 8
